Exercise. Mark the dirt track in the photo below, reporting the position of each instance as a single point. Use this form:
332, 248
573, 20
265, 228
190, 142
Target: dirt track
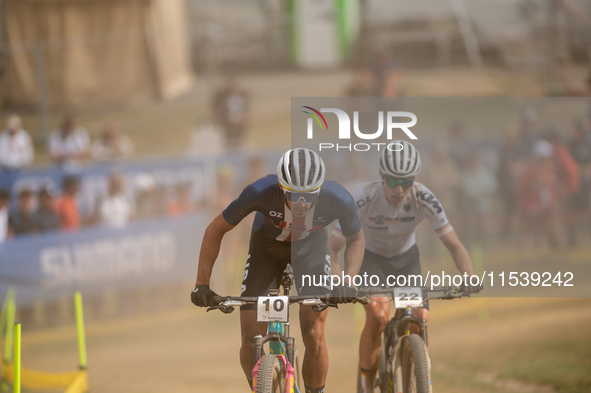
191, 351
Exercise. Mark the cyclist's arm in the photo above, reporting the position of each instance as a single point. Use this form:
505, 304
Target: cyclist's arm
354, 250
337, 242
210, 248
458, 252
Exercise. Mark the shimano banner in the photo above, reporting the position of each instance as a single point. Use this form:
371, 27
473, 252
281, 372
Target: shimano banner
55, 264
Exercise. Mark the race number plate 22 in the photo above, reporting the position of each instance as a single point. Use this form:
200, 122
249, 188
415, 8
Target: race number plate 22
272, 309
408, 297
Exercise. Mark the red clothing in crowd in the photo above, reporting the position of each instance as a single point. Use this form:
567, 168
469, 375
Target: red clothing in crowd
568, 170
178, 208
538, 190
67, 210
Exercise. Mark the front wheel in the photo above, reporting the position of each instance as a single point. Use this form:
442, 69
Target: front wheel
415, 365
269, 375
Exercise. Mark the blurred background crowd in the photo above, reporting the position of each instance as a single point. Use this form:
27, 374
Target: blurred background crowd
172, 110
126, 126
529, 187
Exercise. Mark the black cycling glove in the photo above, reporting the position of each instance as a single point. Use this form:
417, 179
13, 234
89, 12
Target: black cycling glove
343, 294
202, 296
470, 288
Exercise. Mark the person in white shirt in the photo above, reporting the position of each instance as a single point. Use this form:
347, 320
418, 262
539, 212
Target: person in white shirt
69, 144
390, 210
16, 148
115, 209
112, 144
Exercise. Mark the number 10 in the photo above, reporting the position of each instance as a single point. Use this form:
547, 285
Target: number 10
278, 304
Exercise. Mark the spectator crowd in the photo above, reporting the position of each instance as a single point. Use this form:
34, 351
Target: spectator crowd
532, 189
535, 190
69, 144
47, 209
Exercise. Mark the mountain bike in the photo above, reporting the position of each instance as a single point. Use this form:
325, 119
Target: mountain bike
279, 370
404, 364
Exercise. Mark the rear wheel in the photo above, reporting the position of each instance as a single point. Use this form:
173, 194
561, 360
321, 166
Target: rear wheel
269, 375
415, 365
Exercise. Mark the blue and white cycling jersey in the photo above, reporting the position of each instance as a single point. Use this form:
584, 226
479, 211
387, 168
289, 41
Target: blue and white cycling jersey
266, 198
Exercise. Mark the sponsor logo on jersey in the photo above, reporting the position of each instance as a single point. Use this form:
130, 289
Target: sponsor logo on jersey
429, 199
360, 203
381, 220
406, 207
298, 227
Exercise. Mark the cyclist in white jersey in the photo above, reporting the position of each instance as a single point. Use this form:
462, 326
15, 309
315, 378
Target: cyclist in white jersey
390, 210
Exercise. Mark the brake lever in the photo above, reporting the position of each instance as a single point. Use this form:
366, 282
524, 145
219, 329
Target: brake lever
457, 295
362, 300
224, 309
227, 310
323, 306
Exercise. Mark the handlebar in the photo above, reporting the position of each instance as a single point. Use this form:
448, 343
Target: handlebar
449, 292
226, 304
318, 302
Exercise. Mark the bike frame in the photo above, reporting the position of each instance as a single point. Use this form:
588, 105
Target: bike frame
278, 338
281, 344
278, 333
404, 318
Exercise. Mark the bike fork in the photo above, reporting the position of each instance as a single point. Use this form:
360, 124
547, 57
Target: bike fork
258, 348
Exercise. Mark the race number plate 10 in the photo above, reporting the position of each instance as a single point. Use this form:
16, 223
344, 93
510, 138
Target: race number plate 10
272, 309
408, 297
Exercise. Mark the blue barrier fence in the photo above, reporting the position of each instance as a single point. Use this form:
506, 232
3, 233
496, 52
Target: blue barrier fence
158, 250
53, 265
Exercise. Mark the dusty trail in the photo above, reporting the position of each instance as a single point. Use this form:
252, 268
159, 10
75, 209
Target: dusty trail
191, 351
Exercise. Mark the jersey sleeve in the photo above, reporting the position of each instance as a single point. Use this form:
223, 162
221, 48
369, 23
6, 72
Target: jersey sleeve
430, 208
359, 197
242, 206
349, 223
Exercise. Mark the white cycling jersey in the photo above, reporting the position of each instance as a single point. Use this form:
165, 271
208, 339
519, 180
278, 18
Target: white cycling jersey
390, 230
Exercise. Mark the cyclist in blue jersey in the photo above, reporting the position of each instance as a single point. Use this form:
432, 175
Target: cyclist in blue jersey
293, 209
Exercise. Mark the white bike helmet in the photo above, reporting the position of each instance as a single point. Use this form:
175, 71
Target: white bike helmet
300, 170
400, 159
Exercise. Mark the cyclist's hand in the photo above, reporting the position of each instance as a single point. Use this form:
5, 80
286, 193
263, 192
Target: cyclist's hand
470, 288
202, 296
343, 294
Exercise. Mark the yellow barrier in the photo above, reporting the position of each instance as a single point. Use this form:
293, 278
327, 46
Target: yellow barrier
7, 323
17, 358
72, 382
42, 380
